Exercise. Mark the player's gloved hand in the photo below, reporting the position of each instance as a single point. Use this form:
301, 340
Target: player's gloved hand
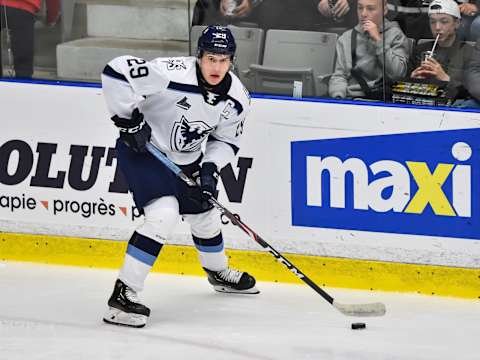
208, 183
134, 132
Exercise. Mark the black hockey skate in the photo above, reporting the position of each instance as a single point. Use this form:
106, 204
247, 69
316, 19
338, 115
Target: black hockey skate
125, 307
232, 281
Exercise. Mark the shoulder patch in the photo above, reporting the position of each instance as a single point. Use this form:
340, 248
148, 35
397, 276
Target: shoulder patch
175, 64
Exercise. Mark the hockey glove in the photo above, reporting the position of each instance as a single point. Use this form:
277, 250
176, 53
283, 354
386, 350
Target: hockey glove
134, 132
208, 183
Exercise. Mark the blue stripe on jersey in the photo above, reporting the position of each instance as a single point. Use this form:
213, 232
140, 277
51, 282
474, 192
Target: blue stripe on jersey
145, 244
140, 255
184, 87
234, 148
108, 70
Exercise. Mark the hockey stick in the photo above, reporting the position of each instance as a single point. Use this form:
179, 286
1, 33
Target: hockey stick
372, 309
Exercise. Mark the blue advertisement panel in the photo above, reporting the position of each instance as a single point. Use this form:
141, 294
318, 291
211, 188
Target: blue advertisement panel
420, 183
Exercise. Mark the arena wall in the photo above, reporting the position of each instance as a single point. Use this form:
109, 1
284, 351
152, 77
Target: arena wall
357, 194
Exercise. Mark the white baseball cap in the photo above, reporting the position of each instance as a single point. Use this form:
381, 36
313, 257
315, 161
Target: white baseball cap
448, 7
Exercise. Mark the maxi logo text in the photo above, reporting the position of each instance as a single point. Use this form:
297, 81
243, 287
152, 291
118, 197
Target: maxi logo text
423, 183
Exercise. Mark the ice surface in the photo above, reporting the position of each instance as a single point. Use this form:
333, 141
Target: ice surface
54, 312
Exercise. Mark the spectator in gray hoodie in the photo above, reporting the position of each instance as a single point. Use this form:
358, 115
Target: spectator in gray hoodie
374, 46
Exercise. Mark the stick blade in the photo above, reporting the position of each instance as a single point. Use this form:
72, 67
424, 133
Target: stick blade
372, 309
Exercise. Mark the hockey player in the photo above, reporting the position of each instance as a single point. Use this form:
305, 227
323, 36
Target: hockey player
179, 104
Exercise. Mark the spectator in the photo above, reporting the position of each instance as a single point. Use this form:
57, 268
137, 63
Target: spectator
338, 13
288, 14
412, 17
18, 16
473, 79
372, 53
267, 14
448, 61
470, 26
208, 12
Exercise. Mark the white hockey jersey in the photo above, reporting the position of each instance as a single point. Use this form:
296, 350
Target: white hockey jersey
167, 92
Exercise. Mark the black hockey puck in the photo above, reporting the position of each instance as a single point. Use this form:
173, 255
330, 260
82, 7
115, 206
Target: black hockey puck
356, 326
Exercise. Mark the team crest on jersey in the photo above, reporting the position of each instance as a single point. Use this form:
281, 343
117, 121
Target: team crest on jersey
187, 136
175, 64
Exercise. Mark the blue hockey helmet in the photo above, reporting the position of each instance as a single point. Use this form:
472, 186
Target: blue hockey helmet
217, 40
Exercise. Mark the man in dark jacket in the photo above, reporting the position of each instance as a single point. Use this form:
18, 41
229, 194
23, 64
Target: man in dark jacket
412, 17
267, 14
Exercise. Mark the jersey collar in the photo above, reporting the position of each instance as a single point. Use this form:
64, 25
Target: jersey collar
213, 94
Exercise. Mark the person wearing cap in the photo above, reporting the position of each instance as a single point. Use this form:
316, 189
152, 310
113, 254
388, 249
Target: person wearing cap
447, 63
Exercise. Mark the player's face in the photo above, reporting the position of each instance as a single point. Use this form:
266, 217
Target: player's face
443, 25
371, 10
214, 67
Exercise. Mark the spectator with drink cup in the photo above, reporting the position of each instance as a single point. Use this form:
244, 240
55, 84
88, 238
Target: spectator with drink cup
443, 59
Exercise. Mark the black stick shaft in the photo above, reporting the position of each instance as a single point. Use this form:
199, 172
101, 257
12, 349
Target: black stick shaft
257, 238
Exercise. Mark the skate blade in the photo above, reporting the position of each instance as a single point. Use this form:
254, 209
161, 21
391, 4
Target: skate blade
118, 317
224, 289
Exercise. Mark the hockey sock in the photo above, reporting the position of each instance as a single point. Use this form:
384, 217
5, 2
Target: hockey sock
139, 259
211, 252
